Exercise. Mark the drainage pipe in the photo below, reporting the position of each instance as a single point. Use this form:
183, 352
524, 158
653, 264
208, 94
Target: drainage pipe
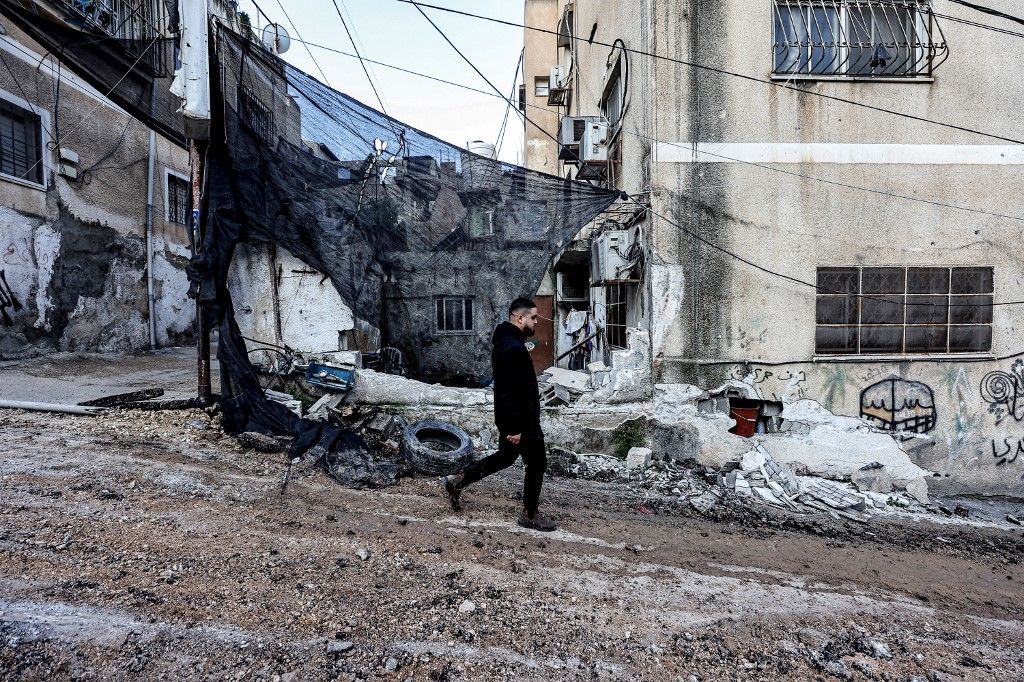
150, 181
50, 407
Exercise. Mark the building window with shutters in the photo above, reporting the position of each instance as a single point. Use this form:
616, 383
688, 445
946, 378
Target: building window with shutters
454, 314
903, 310
21, 144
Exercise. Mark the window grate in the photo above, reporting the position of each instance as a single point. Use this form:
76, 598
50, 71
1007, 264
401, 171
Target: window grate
857, 39
454, 314
256, 115
903, 310
20, 143
136, 23
615, 316
177, 199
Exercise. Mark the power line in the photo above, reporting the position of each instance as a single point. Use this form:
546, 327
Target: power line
989, 10
834, 183
473, 66
801, 282
297, 35
508, 108
712, 69
359, 55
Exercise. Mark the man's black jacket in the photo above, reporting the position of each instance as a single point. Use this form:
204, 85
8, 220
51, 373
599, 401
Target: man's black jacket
516, 398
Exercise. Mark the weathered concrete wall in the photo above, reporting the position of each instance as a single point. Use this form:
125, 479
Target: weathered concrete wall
712, 313
73, 251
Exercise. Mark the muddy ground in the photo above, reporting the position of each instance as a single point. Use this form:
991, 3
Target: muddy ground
151, 546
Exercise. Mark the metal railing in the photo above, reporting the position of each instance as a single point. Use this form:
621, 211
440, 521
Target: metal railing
137, 24
857, 39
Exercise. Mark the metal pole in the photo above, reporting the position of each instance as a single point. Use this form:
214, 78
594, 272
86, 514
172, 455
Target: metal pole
149, 238
196, 150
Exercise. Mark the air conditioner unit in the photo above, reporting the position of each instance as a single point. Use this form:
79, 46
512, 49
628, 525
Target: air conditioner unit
573, 286
593, 151
608, 255
570, 136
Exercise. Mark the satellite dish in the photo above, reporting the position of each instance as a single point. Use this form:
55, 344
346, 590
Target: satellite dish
276, 39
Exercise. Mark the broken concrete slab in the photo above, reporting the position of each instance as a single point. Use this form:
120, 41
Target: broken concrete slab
918, 489
872, 478
378, 388
578, 382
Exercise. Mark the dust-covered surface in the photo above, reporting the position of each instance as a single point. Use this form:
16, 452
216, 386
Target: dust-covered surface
150, 546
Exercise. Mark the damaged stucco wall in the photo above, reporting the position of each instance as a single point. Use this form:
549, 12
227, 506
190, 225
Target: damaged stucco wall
73, 250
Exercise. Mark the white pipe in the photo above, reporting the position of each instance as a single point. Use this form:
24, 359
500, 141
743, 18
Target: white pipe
50, 407
149, 238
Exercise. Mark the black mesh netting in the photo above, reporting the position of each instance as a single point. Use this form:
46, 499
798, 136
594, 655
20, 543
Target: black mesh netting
421, 238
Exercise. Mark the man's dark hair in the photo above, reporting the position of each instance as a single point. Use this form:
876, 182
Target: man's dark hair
519, 305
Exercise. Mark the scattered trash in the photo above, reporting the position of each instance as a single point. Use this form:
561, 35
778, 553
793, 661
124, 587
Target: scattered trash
286, 399
330, 376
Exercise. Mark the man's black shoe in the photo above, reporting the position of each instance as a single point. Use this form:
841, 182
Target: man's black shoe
536, 522
453, 493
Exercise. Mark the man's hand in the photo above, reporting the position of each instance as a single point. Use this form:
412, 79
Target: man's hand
515, 439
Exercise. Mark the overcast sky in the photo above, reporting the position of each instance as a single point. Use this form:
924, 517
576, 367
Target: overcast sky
396, 33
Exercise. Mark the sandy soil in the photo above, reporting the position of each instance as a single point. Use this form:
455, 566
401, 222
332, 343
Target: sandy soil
151, 546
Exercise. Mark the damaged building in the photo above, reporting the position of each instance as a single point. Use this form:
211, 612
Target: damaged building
797, 241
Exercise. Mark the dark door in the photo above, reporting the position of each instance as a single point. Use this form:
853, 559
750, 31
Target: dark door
543, 352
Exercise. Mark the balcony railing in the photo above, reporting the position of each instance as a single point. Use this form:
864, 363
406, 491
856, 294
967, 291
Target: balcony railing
137, 24
857, 39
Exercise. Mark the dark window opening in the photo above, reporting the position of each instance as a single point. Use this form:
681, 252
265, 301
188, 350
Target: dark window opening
20, 143
454, 314
615, 316
177, 199
903, 310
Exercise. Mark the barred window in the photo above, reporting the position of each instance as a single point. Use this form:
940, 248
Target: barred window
454, 314
256, 115
903, 310
856, 38
20, 143
615, 315
177, 199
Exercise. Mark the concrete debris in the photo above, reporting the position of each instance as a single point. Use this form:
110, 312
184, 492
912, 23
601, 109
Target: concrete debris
918, 489
638, 458
576, 382
258, 441
705, 502
467, 607
836, 497
629, 378
325, 407
286, 399
872, 478
363, 554
339, 646
378, 388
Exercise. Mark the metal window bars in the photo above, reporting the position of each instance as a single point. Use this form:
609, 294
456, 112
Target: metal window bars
136, 23
857, 39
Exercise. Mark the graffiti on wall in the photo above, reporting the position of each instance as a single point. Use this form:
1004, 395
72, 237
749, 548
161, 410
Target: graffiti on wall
1006, 450
1004, 393
898, 405
7, 300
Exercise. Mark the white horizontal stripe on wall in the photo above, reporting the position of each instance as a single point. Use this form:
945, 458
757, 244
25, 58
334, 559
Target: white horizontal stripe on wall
822, 152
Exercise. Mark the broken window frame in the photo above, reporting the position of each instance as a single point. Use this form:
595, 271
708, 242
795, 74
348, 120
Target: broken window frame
616, 315
453, 315
869, 306
21, 143
845, 39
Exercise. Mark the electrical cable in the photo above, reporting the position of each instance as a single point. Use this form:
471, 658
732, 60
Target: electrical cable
816, 287
362, 63
299, 36
474, 67
734, 74
989, 10
504, 123
833, 183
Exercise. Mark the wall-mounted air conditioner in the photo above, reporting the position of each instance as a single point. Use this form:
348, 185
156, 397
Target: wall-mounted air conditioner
573, 286
593, 151
570, 136
608, 255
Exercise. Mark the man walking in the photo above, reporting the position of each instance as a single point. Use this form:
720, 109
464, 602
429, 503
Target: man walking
516, 413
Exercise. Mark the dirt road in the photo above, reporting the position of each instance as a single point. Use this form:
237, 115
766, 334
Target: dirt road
149, 546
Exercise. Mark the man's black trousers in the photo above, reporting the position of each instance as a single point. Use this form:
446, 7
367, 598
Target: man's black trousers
531, 449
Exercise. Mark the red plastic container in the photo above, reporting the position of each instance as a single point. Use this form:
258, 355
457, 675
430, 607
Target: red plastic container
746, 420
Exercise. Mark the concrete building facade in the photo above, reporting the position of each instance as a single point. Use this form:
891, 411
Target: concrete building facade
75, 244
800, 239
